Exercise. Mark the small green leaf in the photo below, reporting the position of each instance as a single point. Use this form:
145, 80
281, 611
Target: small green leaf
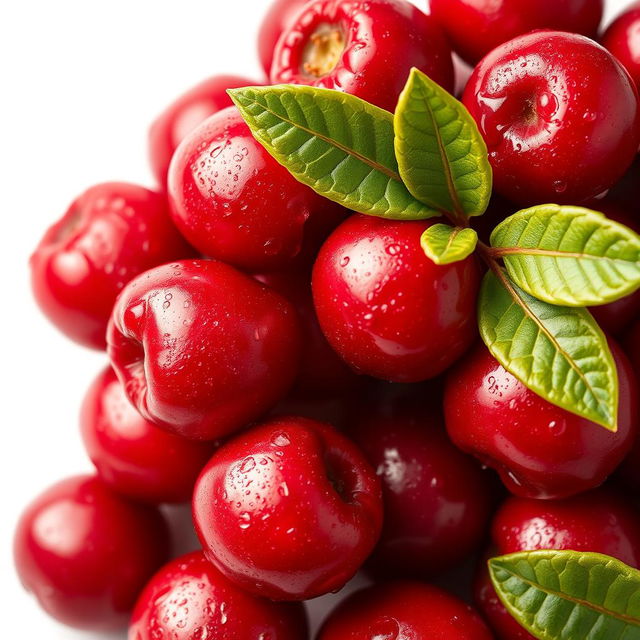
560, 353
441, 155
445, 244
569, 595
569, 255
339, 145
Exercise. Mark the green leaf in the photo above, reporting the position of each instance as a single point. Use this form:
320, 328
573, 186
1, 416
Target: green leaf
339, 145
445, 244
569, 595
569, 255
441, 155
560, 353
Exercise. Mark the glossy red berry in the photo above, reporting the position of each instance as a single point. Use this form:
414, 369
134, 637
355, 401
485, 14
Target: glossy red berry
85, 553
280, 15
132, 455
184, 114
632, 346
203, 349
109, 234
235, 203
288, 510
437, 500
598, 521
190, 599
559, 115
362, 47
622, 38
539, 449
386, 308
475, 27
403, 610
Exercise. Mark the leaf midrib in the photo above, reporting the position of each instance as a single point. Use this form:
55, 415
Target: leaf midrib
500, 252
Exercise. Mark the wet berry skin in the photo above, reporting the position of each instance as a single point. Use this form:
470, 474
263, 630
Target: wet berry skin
189, 598
280, 15
203, 349
362, 47
437, 500
403, 610
184, 114
475, 27
598, 521
132, 455
234, 202
288, 510
622, 38
386, 308
86, 553
559, 115
109, 234
539, 450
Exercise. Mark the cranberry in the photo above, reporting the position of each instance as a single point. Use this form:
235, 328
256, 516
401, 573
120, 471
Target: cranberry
598, 521
559, 115
362, 47
539, 449
475, 27
201, 348
622, 38
632, 344
86, 553
385, 307
132, 455
183, 115
322, 371
109, 234
279, 16
403, 610
288, 510
234, 202
437, 500
189, 598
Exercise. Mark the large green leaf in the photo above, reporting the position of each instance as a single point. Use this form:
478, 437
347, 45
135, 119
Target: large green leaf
444, 244
569, 255
569, 595
339, 145
441, 155
560, 353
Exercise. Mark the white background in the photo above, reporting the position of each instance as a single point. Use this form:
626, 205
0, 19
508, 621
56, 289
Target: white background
80, 83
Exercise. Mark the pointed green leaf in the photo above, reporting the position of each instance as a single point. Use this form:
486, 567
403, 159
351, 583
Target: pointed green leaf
560, 353
339, 145
569, 595
445, 244
441, 155
569, 255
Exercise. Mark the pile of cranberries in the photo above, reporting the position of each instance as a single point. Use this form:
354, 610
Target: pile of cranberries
308, 377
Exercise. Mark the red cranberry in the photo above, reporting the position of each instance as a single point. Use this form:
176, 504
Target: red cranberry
598, 521
632, 344
322, 371
385, 307
437, 500
132, 455
279, 16
288, 510
362, 47
403, 610
475, 27
622, 38
183, 115
559, 115
539, 449
189, 598
234, 202
111, 233
86, 553
201, 348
